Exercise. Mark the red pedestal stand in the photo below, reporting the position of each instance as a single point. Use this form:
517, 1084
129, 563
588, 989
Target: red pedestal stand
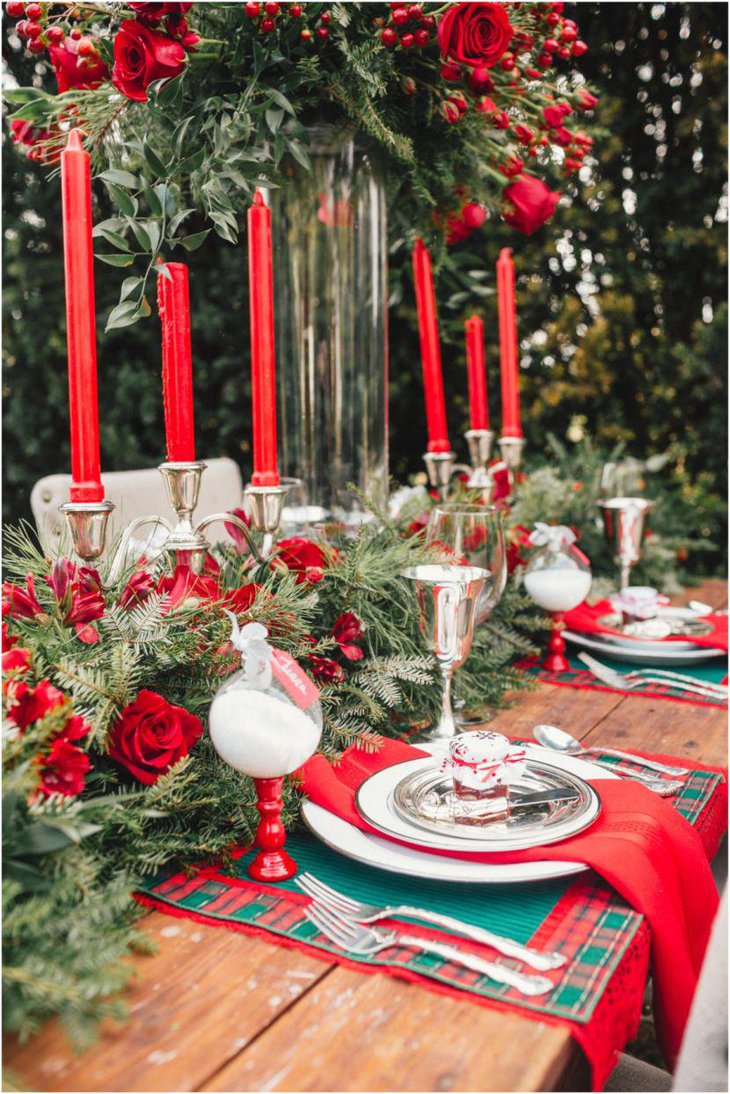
556, 661
271, 863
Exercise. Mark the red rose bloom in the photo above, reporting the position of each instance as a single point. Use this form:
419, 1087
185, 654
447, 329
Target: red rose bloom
347, 629
73, 71
63, 769
459, 226
304, 558
553, 117
324, 668
151, 735
240, 600
474, 34
586, 101
147, 11
532, 203
141, 56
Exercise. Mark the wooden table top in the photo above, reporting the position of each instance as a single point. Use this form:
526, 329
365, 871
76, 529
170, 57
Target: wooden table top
217, 1010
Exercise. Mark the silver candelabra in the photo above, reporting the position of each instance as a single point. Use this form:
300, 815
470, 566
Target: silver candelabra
442, 466
185, 542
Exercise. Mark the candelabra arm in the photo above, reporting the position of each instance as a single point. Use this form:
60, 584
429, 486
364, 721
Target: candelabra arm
231, 518
120, 555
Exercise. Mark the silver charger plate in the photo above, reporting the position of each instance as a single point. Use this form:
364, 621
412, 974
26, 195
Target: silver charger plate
427, 799
376, 802
653, 632
650, 654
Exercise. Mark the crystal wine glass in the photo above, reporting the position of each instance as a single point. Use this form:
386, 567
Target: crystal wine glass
472, 535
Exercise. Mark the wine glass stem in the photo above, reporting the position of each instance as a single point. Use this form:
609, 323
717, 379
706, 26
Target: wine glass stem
446, 727
625, 575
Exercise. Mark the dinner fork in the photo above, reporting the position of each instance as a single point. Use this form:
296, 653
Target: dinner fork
630, 680
357, 939
358, 912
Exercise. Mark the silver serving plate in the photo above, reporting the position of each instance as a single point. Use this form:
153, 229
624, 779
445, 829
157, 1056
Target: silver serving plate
427, 799
391, 801
665, 624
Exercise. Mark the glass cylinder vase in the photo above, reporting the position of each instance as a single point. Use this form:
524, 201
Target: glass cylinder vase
331, 291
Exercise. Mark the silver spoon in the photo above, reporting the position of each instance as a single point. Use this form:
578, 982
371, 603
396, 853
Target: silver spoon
560, 741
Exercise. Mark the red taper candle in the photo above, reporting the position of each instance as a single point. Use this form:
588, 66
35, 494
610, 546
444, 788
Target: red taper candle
78, 253
263, 388
433, 381
173, 304
508, 348
476, 373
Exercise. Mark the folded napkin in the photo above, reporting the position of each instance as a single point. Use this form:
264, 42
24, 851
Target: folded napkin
639, 844
585, 620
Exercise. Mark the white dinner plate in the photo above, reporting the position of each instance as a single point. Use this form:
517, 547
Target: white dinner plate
642, 656
384, 854
374, 802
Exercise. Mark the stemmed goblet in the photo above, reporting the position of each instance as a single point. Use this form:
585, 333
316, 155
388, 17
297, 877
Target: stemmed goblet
447, 601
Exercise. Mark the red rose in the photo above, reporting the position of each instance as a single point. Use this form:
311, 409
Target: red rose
347, 629
29, 705
532, 203
553, 117
586, 101
324, 668
62, 770
141, 56
137, 589
240, 600
474, 34
73, 71
304, 558
151, 735
147, 11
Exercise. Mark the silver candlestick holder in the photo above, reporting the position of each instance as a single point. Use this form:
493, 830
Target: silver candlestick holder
511, 449
479, 443
440, 467
185, 542
265, 505
87, 522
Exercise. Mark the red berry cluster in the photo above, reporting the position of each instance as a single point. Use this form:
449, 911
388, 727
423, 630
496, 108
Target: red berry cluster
37, 38
560, 40
265, 16
406, 27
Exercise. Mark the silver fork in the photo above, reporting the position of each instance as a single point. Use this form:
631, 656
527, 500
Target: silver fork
358, 912
627, 681
357, 939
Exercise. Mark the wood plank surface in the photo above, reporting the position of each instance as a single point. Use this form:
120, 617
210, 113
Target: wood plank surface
376, 1033
215, 1010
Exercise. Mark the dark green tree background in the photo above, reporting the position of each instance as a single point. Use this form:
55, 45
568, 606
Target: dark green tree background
622, 298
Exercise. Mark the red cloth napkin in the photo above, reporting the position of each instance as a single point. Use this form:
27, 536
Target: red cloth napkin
584, 619
639, 844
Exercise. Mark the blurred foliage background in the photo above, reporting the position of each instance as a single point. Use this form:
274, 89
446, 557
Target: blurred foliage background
622, 299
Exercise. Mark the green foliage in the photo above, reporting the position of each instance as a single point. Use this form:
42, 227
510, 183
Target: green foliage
71, 864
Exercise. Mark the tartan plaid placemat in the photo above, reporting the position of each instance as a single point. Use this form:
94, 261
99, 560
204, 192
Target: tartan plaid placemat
578, 676
582, 917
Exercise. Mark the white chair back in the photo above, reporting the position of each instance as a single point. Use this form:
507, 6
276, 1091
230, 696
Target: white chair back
137, 494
